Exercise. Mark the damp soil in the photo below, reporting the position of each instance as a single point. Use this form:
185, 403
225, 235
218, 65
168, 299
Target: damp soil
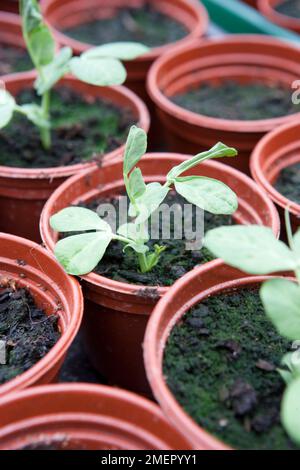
82, 130
28, 332
174, 262
289, 8
220, 363
146, 25
288, 183
13, 59
234, 101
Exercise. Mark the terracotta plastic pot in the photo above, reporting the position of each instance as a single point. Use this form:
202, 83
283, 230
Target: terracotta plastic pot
203, 282
85, 417
24, 191
9, 5
267, 8
116, 313
276, 151
53, 291
245, 58
69, 13
10, 30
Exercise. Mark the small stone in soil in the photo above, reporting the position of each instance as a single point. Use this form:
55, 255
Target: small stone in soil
243, 397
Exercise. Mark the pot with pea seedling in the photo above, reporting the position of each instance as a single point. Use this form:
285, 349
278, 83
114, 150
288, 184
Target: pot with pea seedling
84, 417
221, 348
13, 54
284, 13
58, 121
125, 267
41, 309
159, 24
275, 166
235, 89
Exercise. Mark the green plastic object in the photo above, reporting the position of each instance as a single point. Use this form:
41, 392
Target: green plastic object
236, 17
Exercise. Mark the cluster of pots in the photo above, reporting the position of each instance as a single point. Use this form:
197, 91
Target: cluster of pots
125, 331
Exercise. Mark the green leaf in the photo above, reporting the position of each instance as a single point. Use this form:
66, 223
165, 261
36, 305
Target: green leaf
80, 254
253, 249
54, 71
296, 241
77, 219
292, 369
134, 232
35, 114
148, 203
117, 50
100, 72
217, 151
290, 411
38, 38
137, 185
207, 193
136, 147
281, 299
7, 107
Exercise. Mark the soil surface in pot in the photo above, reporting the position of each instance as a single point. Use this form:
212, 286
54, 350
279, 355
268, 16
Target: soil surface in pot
289, 8
13, 59
220, 363
145, 24
288, 183
234, 101
82, 129
27, 331
174, 262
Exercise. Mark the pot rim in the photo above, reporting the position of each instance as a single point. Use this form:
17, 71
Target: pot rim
267, 9
57, 352
143, 117
195, 119
258, 173
155, 341
127, 288
196, 8
9, 17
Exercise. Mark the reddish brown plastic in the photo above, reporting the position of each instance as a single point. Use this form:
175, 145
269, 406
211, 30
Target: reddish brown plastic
23, 191
10, 29
244, 58
116, 313
267, 8
85, 417
69, 13
53, 291
202, 282
11, 6
276, 151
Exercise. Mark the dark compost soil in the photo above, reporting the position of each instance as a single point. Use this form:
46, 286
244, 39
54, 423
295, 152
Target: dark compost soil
174, 262
289, 8
220, 363
146, 25
231, 100
288, 183
28, 332
13, 59
81, 130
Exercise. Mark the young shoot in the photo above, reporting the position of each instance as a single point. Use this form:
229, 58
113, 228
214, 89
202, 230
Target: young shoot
80, 254
99, 66
255, 250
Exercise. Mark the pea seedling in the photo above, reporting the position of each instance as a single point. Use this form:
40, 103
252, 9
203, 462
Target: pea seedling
255, 250
99, 66
80, 254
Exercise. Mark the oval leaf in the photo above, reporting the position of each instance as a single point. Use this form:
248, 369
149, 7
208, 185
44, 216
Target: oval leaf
253, 249
290, 411
77, 219
7, 106
53, 71
150, 201
281, 299
80, 254
100, 72
118, 50
208, 194
136, 147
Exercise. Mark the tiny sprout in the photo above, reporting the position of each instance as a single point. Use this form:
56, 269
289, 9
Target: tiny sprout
100, 66
80, 254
